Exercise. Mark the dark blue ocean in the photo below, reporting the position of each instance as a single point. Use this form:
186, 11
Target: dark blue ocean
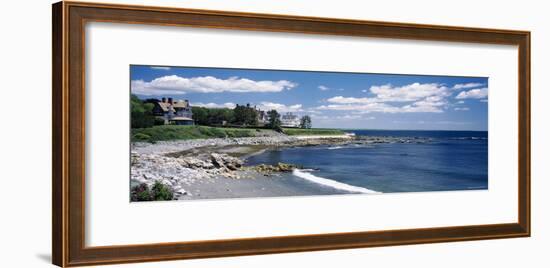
451, 160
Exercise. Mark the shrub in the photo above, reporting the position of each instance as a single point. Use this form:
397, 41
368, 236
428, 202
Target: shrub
141, 137
278, 128
141, 193
159, 192
158, 121
162, 192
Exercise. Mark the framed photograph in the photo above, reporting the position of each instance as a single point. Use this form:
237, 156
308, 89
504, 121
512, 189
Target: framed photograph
181, 133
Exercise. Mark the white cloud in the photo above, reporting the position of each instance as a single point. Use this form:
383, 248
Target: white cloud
351, 100
478, 93
419, 109
407, 93
431, 101
422, 98
364, 91
229, 105
313, 111
281, 108
462, 109
424, 106
422, 122
460, 102
451, 123
342, 117
411, 92
323, 88
485, 100
366, 108
347, 117
320, 117
467, 85
176, 85
161, 68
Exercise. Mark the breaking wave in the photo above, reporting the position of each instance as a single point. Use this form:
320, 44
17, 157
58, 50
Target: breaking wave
332, 183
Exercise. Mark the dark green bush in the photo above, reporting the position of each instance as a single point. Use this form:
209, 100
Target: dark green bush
158, 121
162, 192
278, 128
140, 113
159, 192
141, 137
141, 193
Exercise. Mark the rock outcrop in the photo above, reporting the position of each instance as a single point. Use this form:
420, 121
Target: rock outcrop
280, 167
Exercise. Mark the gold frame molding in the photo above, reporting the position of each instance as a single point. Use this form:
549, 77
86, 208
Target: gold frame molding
69, 18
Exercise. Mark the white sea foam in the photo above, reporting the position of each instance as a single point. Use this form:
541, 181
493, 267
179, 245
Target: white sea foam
332, 183
470, 138
354, 146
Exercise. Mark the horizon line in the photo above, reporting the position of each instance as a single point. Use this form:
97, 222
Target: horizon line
400, 129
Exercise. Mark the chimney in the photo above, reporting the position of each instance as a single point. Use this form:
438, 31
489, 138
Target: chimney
170, 100
163, 100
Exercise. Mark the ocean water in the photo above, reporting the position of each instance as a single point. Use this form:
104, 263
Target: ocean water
451, 160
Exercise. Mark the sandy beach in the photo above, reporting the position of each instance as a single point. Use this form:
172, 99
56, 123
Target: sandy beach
256, 185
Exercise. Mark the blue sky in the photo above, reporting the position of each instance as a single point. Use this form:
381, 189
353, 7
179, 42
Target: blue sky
332, 99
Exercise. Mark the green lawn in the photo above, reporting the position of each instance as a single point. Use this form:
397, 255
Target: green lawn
312, 131
171, 132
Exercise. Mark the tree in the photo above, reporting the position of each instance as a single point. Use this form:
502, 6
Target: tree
251, 116
239, 114
274, 120
212, 116
141, 113
245, 115
227, 115
305, 121
200, 115
217, 116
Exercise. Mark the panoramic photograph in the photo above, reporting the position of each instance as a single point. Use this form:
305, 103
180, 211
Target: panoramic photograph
218, 133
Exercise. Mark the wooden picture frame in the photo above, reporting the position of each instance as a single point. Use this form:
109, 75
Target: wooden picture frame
68, 221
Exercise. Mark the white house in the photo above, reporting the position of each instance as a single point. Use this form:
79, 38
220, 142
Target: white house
290, 120
174, 112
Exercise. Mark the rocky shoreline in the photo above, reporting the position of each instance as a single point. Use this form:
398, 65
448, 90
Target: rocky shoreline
185, 164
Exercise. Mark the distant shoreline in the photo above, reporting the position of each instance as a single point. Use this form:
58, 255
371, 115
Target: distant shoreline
165, 147
382, 129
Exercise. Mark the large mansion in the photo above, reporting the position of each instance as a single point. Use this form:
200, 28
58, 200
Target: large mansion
173, 112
